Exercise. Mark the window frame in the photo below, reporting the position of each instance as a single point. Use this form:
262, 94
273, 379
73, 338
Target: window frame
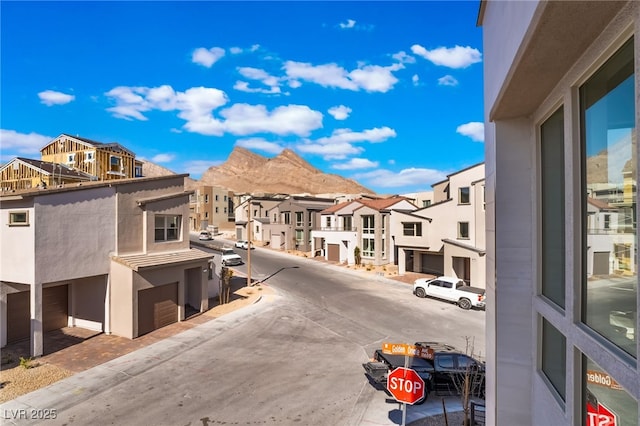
460, 195
13, 214
165, 228
460, 233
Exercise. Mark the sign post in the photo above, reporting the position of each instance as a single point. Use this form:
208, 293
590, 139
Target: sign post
406, 386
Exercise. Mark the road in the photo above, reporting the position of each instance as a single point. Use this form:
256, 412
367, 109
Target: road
292, 358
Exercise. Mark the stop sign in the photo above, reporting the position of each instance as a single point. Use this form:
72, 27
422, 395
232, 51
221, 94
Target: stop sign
405, 385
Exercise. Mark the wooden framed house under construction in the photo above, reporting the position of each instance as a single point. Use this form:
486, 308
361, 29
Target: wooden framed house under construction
70, 159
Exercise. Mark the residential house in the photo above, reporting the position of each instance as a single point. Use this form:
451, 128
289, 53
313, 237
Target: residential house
452, 229
70, 159
25, 173
561, 116
254, 209
292, 221
364, 223
421, 199
108, 256
209, 207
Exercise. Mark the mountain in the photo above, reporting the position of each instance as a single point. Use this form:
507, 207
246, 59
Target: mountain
153, 170
288, 173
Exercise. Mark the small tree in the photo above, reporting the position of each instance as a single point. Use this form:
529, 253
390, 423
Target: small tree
225, 285
469, 383
356, 255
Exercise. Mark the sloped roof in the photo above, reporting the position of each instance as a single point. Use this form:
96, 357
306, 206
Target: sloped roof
140, 261
336, 207
602, 205
93, 143
383, 203
48, 168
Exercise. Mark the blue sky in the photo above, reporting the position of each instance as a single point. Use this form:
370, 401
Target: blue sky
387, 93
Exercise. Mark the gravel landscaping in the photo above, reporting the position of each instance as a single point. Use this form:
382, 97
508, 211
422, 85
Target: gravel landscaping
17, 380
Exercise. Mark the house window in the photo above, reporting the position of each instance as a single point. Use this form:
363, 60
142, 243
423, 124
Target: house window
19, 218
368, 247
71, 158
607, 221
368, 224
225, 210
206, 215
138, 171
552, 202
275, 218
347, 223
463, 230
115, 164
224, 198
89, 155
167, 228
412, 229
255, 213
463, 195
299, 218
216, 197
299, 237
426, 203
603, 395
206, 198
554, 357
327, 221
609, 161
216, 209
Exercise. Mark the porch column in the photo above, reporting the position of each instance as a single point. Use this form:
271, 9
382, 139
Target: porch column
402, 261
35, 296
3, 316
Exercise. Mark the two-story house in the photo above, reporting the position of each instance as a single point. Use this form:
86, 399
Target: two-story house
252, 214
292, 221
70, 159
455, 242
209, 207
364, 223
108, 256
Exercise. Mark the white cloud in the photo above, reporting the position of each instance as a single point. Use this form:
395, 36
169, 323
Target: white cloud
403, 57
375, 135
408, 177
235, 50
162, 158
415, 79
356, 163
340, 112
207, 57
260, 144
336, 151
261, 76
51, 97
349, 24
474, 130
197, 104
244, 119
22, 143
371, 78
451, 57
447, 80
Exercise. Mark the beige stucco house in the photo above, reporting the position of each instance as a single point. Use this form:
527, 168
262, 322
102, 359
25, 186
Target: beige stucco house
107, 256
450, 237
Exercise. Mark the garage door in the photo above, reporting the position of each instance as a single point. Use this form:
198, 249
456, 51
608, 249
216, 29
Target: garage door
276, 241
157, 307
18, 324
432, 264
333, 252
55, 307
601, 263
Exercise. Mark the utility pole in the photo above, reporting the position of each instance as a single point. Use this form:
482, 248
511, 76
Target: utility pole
249, 243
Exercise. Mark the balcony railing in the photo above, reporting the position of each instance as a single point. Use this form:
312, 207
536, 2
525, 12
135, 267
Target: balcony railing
337, 228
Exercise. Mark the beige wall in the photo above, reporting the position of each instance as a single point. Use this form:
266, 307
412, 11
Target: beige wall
17, 244
122, 301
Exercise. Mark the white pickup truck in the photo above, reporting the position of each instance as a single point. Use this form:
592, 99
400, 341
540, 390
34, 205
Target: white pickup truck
230, 257
451, 289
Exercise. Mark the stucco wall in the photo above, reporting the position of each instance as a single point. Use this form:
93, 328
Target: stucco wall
121, 300
17, 244
74, 234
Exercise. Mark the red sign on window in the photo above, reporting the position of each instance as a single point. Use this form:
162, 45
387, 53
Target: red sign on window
599, 415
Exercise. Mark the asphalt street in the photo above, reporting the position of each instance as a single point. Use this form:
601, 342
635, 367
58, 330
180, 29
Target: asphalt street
293, 358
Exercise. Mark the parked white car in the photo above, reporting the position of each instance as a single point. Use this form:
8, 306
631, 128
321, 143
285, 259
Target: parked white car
243, 244
230, 257
451, 289
205, 236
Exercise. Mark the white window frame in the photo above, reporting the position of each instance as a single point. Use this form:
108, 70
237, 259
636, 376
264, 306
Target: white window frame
166, 228
13, 215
